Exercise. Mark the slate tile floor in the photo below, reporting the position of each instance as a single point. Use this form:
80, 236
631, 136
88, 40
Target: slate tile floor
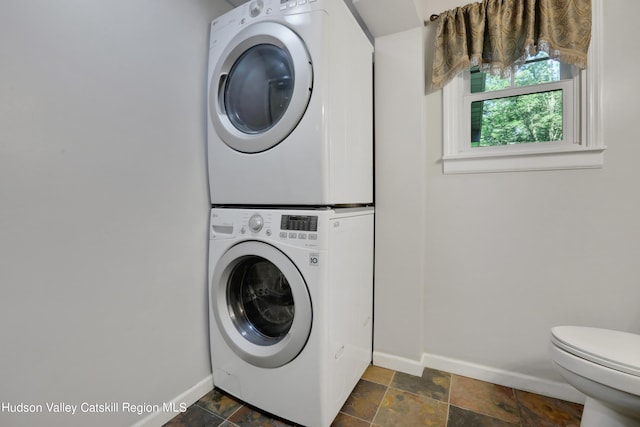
385, 398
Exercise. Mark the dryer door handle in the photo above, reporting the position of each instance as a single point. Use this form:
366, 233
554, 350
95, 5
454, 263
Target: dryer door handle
221, 82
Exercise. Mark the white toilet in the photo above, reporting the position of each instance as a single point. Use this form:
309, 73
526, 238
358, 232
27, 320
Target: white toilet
605, 366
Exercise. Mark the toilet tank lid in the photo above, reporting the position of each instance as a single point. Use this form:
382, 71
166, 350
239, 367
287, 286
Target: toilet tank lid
613, 349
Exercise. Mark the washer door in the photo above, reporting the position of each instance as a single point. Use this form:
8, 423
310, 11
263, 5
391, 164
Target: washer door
261, 304
260, 87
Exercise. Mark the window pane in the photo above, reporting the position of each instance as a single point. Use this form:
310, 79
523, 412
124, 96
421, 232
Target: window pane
485, 82
517, 119
537, 69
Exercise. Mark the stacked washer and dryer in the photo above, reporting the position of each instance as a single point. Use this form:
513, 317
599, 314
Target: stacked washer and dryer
290, 155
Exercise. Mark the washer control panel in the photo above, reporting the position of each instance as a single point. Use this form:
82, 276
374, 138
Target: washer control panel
299, 222
300, 229
255, 7
290, 4
256, 222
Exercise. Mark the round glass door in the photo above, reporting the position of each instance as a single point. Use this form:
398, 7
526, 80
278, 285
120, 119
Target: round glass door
260, 87
260, 301
261, 304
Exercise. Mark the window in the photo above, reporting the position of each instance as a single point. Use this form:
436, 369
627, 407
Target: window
544, 116
533, 105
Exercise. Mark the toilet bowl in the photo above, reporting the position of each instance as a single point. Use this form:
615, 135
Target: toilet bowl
605, 366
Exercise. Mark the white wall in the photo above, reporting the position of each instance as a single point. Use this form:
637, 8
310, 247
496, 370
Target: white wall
103, 204
400, 188
509, 255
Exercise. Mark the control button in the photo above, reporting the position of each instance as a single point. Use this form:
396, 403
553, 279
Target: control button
255, 8
256, 222
268, 232
292, 4
313, 237
243, 230
302, 1
302, 236
283, 234
283, 7
269, 11
292, 235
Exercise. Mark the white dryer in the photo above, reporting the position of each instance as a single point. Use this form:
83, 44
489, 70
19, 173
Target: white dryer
291, 294
290, 105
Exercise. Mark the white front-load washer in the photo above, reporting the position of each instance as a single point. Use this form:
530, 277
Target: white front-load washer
291, 295
290, 105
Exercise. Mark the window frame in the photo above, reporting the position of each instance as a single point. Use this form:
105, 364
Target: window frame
583, 146
569, 87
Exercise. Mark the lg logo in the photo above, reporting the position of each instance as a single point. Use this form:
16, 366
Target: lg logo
314, 259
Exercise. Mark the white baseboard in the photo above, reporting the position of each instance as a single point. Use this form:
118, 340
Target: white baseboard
506, 378
555, 389
188, 397
397, 363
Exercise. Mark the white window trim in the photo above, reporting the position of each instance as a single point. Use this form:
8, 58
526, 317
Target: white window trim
586, 151
569, 87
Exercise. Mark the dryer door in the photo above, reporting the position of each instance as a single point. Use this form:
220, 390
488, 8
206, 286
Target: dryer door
261, 304
260, 87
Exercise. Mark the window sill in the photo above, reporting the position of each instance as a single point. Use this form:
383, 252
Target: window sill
566, 158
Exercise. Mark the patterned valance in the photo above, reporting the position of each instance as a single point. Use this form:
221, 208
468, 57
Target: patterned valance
498, 35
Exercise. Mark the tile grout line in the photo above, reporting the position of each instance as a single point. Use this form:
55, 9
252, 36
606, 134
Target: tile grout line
446, 422
207, 410
515, 395
240, 403
480, 412
421, 396
353, 416
387, 387
233, 413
